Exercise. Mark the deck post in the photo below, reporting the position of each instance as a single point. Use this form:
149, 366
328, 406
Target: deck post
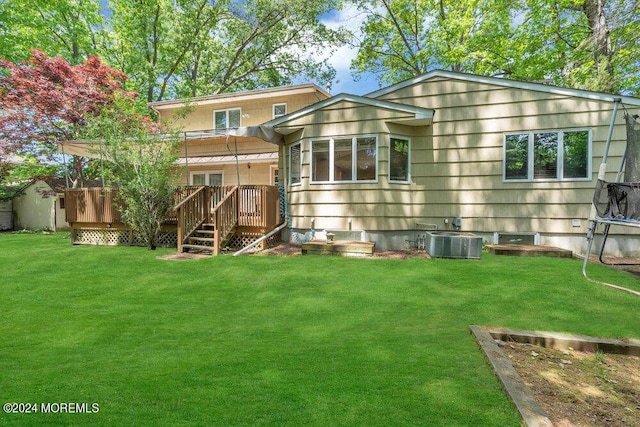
207, 204
216, 241
180, 229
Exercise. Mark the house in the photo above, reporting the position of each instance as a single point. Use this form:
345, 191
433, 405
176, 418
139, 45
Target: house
503, 159
41, 205
451, 151
225, 156
214, 152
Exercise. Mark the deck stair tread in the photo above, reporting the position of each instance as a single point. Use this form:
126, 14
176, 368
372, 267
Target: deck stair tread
201, 239
208, 232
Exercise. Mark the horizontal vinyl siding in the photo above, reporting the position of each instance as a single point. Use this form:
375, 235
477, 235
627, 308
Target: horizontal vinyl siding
457, 162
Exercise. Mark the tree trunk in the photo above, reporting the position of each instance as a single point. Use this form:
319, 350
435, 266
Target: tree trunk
594, 10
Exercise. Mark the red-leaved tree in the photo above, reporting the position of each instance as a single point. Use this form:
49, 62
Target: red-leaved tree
46, 100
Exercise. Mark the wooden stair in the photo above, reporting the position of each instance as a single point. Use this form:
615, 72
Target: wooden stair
202, 240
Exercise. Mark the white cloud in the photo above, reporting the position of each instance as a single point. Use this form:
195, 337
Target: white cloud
350, 18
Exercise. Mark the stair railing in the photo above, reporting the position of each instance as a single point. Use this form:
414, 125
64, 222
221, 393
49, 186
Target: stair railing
225, 218
191, 212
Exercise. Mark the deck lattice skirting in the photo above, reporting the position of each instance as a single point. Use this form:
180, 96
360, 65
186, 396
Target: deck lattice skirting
241, 214
120, 236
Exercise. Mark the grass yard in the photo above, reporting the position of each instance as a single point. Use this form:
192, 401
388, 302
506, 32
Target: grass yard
263, 340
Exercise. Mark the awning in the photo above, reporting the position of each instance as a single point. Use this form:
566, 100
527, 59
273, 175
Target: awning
219, 160
91, 148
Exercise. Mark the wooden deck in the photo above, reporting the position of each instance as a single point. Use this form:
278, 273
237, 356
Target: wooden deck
205, 218
349, 248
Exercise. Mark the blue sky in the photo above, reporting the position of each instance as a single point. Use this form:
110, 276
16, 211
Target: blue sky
341, 60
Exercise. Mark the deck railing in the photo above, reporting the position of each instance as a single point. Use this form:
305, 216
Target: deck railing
259, 206
191, 212
225, 207
225, 218
92, 205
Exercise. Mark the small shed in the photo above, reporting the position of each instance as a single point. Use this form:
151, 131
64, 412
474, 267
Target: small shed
40, 205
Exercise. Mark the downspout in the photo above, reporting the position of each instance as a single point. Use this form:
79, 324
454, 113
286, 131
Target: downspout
262, 239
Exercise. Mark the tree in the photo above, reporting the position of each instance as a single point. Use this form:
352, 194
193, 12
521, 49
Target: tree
184, 48
406, 38
140, 162
46, 100
69, 28
586, 44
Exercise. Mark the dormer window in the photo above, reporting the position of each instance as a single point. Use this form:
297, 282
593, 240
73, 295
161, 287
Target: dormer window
227, 119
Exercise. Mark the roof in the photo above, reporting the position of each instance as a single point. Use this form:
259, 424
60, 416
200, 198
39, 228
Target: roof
58, 184
239, 96
498, 81
422, 116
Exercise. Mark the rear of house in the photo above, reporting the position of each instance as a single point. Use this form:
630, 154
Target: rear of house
214, 152
454, 152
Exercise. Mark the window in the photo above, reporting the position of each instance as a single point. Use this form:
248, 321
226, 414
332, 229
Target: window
295, 162
279, 110
206, 178
344, 159
399, 160
547, 155
274, 173
226, 119
61, 202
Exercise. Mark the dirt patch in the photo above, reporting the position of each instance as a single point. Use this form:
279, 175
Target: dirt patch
580, 388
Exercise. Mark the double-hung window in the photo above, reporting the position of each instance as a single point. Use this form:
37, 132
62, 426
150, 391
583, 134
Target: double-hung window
295, 164
226, 119
399, 160
547, 155
351, 159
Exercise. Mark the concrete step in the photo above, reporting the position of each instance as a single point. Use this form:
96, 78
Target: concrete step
197, 248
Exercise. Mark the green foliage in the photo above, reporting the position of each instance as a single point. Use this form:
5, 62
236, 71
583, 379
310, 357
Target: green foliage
69, 28
179, 48
586, 44
278, 340
139, 161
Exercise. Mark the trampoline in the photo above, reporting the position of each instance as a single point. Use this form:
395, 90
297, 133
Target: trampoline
616, 202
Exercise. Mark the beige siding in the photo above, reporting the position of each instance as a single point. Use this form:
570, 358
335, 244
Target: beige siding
250, 173
36, 207
256, 108
457, 162
254, 112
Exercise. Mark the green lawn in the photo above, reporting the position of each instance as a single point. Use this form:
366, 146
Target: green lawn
262, 340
